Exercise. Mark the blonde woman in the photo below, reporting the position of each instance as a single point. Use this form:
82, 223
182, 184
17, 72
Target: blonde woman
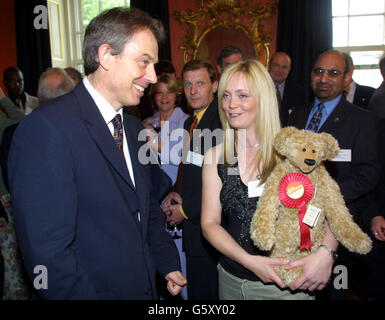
233, 174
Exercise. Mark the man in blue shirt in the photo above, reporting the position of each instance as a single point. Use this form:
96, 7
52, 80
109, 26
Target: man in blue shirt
356, 169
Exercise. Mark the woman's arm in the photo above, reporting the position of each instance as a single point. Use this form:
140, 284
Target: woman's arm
218, 236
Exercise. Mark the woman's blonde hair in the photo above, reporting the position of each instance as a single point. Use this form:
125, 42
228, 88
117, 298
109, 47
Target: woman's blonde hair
267, 124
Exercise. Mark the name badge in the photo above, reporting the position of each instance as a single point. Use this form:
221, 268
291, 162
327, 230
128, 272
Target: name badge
311, 216
254, 189
345, 155
195, 158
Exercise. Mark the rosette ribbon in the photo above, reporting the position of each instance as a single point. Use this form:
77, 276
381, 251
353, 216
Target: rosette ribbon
302, 183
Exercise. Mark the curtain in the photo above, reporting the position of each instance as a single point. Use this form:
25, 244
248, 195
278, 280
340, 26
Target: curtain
159, 10
304, 31
32, 45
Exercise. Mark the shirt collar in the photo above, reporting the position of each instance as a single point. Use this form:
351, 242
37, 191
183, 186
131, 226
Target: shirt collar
199, 114
106, 109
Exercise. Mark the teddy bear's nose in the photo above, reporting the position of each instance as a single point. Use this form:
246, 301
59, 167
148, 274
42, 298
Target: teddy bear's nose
310, 162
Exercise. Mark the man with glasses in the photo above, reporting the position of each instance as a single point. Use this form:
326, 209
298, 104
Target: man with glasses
356, 169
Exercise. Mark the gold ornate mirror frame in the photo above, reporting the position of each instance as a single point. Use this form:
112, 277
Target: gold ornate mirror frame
211, 14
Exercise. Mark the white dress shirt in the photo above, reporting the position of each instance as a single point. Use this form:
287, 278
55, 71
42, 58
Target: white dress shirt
352, 92
108, 113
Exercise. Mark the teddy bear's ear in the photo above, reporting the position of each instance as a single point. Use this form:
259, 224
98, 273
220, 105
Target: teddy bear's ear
332, 148
281, 139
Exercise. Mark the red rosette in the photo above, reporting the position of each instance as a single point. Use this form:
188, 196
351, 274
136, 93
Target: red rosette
295, 191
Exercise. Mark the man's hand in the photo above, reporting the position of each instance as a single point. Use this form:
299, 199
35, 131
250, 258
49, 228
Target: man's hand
174, 215
2, 95
175, 282
378, 227
171, 197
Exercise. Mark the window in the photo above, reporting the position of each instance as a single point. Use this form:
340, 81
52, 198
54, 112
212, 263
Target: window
358, 29
91, 8
77, 14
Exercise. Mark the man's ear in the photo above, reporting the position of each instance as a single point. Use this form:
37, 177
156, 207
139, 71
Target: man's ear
105, 56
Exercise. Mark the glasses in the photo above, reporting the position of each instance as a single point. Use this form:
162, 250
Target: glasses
333, 73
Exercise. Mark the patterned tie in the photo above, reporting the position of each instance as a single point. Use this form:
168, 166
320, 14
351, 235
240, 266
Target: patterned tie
178, 183
118, 133
316, 119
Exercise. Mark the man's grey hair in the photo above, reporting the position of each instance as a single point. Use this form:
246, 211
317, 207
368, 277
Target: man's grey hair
54, 83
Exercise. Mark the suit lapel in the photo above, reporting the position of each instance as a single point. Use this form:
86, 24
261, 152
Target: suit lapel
299, 117
339, 114
100, 133
133, 147
138, 171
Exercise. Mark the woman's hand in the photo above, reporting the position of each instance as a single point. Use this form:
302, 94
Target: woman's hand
317, 268
263, 268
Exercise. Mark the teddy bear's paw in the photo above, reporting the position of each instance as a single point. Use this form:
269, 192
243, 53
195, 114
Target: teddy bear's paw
361, 244
262, 241
365, 246
262, 236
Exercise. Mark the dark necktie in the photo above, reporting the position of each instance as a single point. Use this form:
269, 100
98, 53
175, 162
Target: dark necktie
279, 99
118, 133
193, 126
178, 183
316, 119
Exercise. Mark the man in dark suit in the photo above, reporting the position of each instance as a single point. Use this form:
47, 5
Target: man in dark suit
83, 206
377, 102
371, 280
356, 169
200, 85
354, 92
289, 94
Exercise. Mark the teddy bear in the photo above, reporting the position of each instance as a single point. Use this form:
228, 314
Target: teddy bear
298, 196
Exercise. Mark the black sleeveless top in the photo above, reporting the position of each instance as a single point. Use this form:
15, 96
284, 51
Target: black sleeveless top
237, 212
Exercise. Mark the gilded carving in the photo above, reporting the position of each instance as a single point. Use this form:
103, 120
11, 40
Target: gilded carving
211, 14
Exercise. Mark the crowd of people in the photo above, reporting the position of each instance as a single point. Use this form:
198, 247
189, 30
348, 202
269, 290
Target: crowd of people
78, 199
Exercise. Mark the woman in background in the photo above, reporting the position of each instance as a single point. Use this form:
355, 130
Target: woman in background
165, 120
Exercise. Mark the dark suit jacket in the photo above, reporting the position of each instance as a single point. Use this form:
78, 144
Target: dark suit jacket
75, 206
4, 151
377, 102
380, 191
194, 242
355, 129
362, 95
293, 95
